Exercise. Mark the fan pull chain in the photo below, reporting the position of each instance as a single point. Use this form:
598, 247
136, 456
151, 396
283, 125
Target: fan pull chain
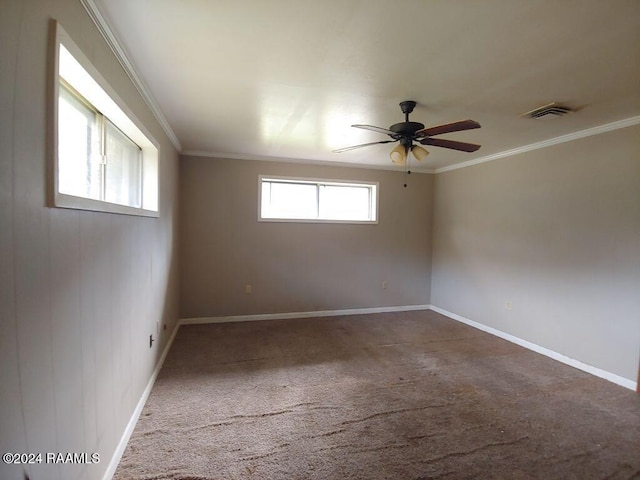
407, 172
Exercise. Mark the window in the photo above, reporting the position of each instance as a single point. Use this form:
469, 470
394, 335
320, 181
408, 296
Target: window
103, 160
295, 199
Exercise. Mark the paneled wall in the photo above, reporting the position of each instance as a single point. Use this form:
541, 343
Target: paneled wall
80, 292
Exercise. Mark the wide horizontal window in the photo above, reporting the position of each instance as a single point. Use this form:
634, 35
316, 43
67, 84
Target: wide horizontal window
102, 159
294, 199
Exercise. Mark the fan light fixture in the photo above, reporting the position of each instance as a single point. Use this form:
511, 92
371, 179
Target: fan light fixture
399, 154
419, 152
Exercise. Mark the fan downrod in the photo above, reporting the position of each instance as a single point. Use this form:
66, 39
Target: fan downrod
406, 128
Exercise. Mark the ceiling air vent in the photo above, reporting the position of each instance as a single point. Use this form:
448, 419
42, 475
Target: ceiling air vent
552, 110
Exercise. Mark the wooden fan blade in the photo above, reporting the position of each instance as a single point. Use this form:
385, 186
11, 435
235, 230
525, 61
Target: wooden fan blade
375, 129
454, 145
345, 149
448, 128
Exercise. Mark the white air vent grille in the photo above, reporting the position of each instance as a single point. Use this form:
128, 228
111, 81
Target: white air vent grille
550, 110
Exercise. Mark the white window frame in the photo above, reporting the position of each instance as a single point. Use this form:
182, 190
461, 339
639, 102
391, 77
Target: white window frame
374, 189
102, 97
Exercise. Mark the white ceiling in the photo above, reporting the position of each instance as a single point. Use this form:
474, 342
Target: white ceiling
285, 79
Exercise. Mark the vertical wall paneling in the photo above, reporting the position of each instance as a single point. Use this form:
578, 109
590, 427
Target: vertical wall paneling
66, 331
12, 432
77, 290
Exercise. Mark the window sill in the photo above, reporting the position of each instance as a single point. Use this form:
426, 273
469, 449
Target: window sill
62, 200
313, 220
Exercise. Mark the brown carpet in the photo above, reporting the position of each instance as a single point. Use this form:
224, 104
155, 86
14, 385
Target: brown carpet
410, 395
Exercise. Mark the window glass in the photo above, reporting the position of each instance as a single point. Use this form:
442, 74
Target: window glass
289, 200
345, 203
79, 159
123, 169
317, 200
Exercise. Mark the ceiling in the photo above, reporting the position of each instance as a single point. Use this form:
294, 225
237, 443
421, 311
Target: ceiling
285, 79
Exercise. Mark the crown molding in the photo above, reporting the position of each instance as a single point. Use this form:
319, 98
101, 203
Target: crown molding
105, 30
608, 127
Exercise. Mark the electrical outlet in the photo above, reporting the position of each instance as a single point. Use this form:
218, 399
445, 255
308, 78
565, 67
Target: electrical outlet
247, 289
384, 284
507, 305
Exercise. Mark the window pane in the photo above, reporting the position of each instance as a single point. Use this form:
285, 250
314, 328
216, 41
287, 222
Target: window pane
123, 169
289, 200
79, 171
318, 200
345, 203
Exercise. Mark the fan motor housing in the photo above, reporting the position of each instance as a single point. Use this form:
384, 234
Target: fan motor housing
406, 129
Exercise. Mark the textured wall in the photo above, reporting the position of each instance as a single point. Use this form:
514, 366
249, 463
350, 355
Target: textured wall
294, 267
80, 292
556, 232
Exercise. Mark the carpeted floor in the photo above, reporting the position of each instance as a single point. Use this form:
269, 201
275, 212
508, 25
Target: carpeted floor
410, 395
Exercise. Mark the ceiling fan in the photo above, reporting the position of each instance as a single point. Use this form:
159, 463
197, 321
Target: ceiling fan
409, 132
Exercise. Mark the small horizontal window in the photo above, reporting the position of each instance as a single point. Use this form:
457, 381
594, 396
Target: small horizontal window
103, 160
308, 200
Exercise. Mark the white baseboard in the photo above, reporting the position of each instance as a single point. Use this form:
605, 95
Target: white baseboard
126, 435
612, 377
319, 313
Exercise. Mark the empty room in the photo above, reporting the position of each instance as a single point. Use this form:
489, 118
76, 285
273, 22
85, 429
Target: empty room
280, 239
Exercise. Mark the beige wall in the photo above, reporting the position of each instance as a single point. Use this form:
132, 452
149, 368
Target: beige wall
296, 267
80, 292
557, 233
